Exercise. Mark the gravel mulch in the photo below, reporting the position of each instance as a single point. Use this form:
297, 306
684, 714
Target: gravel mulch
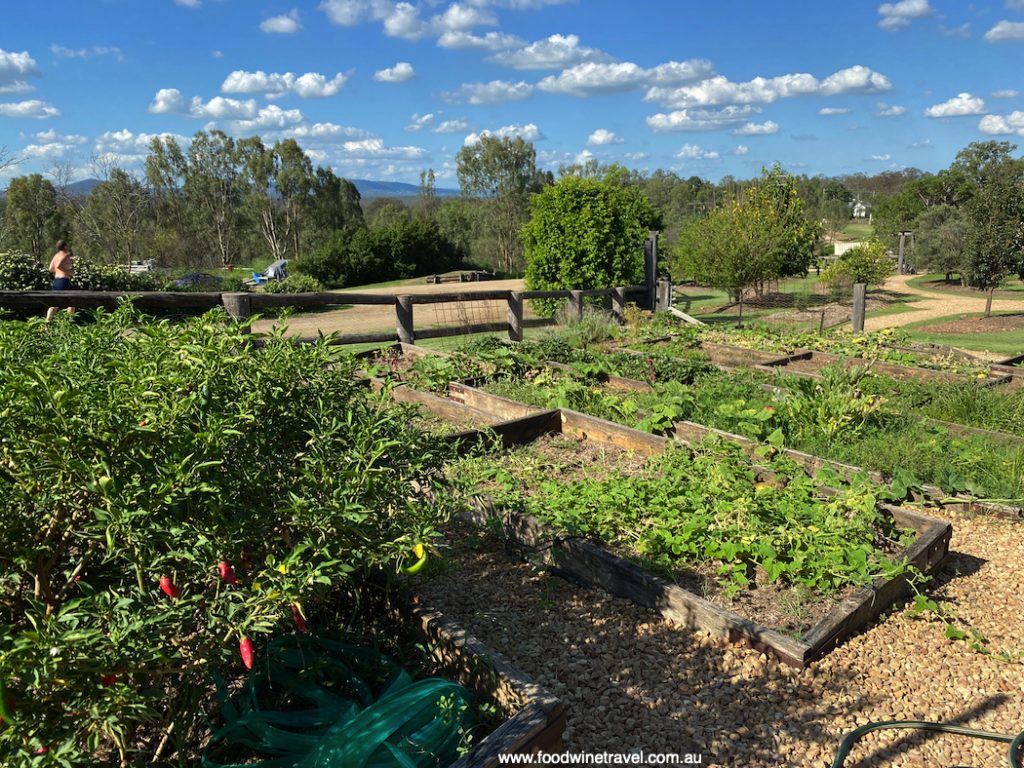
630, 680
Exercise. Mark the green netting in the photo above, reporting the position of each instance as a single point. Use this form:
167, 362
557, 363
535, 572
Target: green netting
313, 703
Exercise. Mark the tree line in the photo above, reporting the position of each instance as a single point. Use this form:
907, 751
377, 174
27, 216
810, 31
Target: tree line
220, 201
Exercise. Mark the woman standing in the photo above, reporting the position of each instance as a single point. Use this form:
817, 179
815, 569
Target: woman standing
63, 270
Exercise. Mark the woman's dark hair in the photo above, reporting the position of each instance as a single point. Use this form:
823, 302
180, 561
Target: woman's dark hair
62, 245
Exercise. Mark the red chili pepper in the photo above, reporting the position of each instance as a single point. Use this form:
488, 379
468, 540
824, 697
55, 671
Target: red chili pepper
42, 750
227, 574
143, 423
167, 585
300, 621
245, 648
109, 680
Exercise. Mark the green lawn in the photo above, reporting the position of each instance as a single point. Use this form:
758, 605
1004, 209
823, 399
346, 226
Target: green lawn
1012, 289
1007, 343
856, 230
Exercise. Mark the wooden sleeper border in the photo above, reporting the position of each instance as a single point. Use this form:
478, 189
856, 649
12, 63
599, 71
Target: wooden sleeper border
537, 717
588, 563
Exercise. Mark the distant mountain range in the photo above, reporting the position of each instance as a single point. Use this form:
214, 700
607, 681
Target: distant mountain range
367, 189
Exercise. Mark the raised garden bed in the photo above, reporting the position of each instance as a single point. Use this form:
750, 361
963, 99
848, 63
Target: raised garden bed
585, 561
810, 363
723, 356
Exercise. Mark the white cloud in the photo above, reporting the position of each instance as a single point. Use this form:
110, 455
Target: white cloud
85, 53
189, 3
457, 125
347, 13
719, 90
167, 100
33, 109
285, 24
701, 119
889, 110
494, 92
593, 78
923, 144
830, 111
461, 18
601, 137
693, 152
519, 5
964, 31
52, 135
126, 148
757, 129
583, 157
878, 158
18, 86
492, 41
636, 155
404, 21
958, 106
311, 85
375, 148
1008, 93
1005, 30
899, 15
418, 122
741, 150
324, 131
1000, 125
554, 52
271, 117
399, 73
216, 54
14, 69
219, 108
528, 132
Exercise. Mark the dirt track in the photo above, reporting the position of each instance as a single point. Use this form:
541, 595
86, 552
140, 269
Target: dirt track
931, 306
372, 317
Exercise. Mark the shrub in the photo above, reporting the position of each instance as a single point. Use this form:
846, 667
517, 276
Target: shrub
21, 272
134, 452
866, 263
585, 233
292, 284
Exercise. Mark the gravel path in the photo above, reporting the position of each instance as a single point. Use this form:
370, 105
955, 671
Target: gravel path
631, 680
932, 305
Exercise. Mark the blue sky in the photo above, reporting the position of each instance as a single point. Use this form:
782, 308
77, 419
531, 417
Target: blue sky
381, 89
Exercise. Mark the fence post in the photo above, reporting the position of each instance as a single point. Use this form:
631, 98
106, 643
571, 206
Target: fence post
860, 294
651, 268
515, 316
619, 305
664, 293
238, 306
403, 317
574, 306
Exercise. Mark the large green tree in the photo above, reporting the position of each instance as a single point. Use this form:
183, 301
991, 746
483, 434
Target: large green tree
502, 171
32, 217
586, 233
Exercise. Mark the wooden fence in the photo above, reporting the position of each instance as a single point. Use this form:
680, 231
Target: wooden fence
241, 306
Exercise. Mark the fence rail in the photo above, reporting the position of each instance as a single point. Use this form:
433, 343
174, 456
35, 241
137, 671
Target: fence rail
241, 306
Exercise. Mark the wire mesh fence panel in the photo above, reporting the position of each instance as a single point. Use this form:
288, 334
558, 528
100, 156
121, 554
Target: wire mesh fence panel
452, 323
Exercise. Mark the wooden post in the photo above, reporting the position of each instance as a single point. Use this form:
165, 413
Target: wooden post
651, 268
619, 305
238, 306
664, 293
574, 306
515, 316
403, 317
860, 293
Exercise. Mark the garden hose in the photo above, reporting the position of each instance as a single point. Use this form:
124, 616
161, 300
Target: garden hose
314, 703
1014, 758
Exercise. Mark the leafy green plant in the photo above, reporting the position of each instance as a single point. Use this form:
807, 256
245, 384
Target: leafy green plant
135, 459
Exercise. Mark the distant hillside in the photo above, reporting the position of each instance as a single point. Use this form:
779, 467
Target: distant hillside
369, 188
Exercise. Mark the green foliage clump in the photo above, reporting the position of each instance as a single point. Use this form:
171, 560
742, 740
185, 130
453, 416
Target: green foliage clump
135, 452
21, 272
585, 233
292, 284
868, 263
710, 506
